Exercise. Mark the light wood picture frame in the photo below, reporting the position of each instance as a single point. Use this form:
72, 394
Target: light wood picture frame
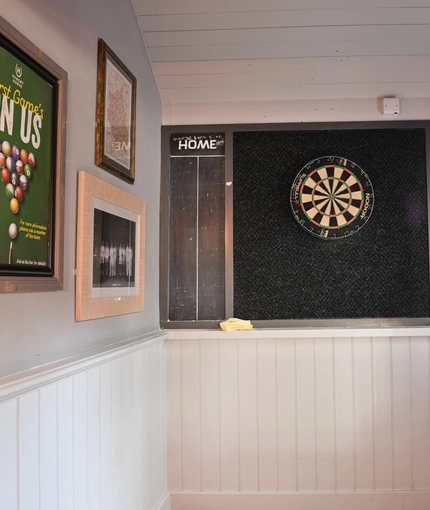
110, 262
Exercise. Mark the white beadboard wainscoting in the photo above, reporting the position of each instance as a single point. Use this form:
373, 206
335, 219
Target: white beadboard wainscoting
87, 433
299, 419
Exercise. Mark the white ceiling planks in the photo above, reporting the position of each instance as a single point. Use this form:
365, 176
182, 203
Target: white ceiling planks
305, 18
253, 50
157, 7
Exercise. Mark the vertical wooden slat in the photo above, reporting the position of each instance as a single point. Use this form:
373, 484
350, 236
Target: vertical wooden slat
161, 399
344, 414
29, 447
48, 448
138, 421
420, 413
402, 461
93, 414
287, 446
117, 442
267, 415
80, 441
324, 414
146, 427
65, 444
174, 413
210, 415
9, 454
191, 415
106, 482
156, 423
306, 432
228, 374
382, 402
248, 416
363, 398
128, 441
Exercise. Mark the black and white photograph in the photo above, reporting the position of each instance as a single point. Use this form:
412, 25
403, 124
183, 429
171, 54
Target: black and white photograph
114, 249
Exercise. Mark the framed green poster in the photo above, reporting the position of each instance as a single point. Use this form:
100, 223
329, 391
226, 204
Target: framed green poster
32, 145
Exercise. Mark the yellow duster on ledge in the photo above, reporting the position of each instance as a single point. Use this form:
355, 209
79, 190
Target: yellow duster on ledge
236, 325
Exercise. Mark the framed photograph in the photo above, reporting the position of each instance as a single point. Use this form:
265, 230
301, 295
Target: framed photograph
110, 250
32, 160
116, 115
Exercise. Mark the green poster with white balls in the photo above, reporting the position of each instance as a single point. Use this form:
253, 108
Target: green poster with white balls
27, 99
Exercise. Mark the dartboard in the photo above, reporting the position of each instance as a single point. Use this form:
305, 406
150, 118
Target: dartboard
332, 197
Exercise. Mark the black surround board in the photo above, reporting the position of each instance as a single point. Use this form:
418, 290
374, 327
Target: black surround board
283, 272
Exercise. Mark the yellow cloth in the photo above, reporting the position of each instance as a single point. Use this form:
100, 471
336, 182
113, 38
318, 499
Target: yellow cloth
236, 325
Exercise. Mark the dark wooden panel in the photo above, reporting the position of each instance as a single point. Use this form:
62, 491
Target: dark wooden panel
211, 229
183, 239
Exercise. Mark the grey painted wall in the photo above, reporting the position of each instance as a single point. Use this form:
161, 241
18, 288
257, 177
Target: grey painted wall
39, 327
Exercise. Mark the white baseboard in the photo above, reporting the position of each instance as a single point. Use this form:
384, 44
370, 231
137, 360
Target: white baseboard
413, 500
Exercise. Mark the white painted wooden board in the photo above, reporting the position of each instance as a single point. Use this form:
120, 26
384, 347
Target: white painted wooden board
48, 461
304, 93
9, 454
269, 36
248, 414
299, 68
154, 7
285, 18
277, 111
267, 418
229, 416
286, 370
316, 415
76, 442
288, 50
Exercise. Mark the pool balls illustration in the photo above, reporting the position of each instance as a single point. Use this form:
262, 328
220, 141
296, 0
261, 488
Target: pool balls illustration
13, 230
5, 175
32, 160
6, 148
19, 194
19, 167
23, 156
23, 182
15, 152
28, 171
16, 168
10, 164
14, 178
14, 205
10, 191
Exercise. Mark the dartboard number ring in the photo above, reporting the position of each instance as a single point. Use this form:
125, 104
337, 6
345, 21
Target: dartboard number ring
332, 197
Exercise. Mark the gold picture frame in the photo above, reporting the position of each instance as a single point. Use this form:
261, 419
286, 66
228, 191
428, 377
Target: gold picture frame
116, 115
110, 263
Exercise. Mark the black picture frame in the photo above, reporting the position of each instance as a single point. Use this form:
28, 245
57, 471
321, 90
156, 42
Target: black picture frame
34, 89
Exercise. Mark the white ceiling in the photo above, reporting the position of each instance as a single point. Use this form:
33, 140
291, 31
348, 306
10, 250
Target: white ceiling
205, 51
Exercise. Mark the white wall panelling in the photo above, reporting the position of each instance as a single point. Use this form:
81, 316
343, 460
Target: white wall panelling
91, 436
345, 415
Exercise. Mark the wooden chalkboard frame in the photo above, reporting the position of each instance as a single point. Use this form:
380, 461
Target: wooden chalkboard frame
229, 130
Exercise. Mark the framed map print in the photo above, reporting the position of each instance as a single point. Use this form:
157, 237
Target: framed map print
116, 115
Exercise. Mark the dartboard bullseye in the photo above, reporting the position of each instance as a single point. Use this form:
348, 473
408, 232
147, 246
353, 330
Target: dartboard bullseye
332, 197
